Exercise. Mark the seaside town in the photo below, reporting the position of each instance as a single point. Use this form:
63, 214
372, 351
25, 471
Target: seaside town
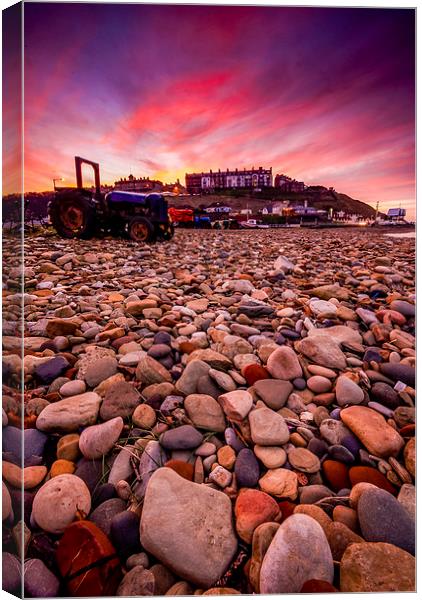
232, 199
209, 313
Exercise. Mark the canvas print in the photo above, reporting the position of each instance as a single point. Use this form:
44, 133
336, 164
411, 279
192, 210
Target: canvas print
208, 300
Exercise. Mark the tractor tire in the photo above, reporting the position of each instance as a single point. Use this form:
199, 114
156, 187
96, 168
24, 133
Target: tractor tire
141, 230
73, 217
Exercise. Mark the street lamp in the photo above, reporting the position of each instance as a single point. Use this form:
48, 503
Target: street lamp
56, 179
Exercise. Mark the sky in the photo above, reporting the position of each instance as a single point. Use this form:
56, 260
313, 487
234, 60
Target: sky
323, 95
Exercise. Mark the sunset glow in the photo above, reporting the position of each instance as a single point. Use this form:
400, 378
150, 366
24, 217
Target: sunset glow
323, 95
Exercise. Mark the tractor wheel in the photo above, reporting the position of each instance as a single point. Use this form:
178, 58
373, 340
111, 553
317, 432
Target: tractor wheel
141, 230
73, 217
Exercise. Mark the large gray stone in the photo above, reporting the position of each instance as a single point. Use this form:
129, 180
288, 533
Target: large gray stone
298, 552
382, 518
188, 527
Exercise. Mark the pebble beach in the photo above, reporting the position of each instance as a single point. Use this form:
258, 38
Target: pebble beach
230, 412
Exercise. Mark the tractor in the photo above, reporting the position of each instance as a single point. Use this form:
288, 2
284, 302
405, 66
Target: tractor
83, 213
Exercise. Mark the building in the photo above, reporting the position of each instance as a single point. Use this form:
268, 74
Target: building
143, 184
218, 208
396, 214
275, 208
248, 179
287, 184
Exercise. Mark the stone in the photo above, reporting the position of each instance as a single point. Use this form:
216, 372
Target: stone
28, 478
359, 474
144, 416
99, 370
90, 471
49, 371
333, 431
124, 533
246, 469
150, 371
11, 574
96, 570
253, 373
215, 360
273, 392
326, 292
188, 382
270, 456
319, 384
97, 440
220, 476
61, 467
377, 567
181, 438
72, 388
226, 456
399, 372
312, 493
322, 350
268, 428
205, 412
316, 586
298, 552
316, 513
385, 394
68, 494
223, 380
383, 519
407, 498
6, 505
284, 364
336, 474
409, 455
164, 579
57, 327
187, 527
152, 458
304, 460
281, 483
340, 537
262, 538
252, 508
372, 430
120, 400
182, 468
68, 447
69, 414
181, 588
137, 582
348, 392
236, 405
347, 516
103, 515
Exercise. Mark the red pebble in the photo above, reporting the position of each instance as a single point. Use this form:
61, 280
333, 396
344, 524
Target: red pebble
182, 468
287, 508
253, 373
408, 430
370, 475
336, 474
87, 561
317, 586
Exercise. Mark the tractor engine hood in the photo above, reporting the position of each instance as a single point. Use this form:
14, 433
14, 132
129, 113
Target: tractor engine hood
118, 197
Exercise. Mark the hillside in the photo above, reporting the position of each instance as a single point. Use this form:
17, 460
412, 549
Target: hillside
324, 199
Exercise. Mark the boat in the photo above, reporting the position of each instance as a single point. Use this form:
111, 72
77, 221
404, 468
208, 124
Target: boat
253, 224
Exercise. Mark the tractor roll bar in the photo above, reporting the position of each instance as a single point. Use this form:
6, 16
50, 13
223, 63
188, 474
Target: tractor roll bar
78, 165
